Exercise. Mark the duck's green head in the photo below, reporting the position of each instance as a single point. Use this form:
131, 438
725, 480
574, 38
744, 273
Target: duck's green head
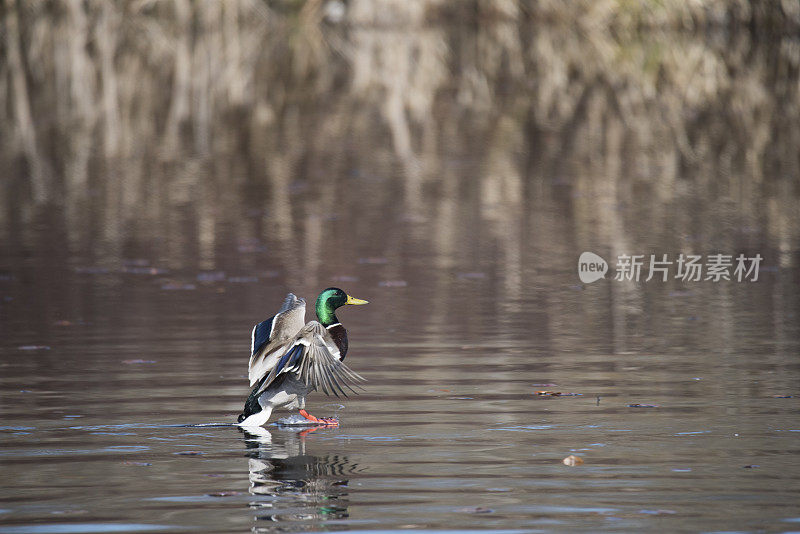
329, 300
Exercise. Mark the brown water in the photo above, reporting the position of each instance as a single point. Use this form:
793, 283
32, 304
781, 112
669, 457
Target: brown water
134, 264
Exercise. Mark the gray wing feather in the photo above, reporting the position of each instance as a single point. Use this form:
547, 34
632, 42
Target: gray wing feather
285, 326
318, 366
291, 301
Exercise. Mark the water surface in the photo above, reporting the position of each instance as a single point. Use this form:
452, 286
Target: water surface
147, 239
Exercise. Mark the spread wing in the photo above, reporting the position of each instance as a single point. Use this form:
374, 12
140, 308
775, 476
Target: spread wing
313, 358
270, 336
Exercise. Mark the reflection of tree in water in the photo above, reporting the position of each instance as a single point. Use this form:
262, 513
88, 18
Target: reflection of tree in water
301, 488
497, 136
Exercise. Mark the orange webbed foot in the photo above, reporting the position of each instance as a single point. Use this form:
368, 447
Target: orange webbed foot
327, 421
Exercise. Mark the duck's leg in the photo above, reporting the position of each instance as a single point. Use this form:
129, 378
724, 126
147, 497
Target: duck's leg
327, 421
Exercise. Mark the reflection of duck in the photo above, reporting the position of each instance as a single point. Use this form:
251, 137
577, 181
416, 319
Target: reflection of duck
289, 360
301, 487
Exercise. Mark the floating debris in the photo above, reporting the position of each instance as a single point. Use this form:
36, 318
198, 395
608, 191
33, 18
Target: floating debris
475, 510
572, 460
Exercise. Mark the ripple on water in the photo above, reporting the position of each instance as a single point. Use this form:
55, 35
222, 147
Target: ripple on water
82, 528
18, 453
524, 428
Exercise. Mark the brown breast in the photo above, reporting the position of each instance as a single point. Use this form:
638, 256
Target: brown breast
339, 335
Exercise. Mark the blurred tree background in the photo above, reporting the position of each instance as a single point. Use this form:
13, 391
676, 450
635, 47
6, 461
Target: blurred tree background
187, 128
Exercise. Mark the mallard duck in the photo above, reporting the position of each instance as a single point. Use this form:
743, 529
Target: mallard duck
288, 359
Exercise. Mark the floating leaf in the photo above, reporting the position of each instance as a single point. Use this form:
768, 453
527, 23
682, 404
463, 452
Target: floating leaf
572, 460
546, 393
